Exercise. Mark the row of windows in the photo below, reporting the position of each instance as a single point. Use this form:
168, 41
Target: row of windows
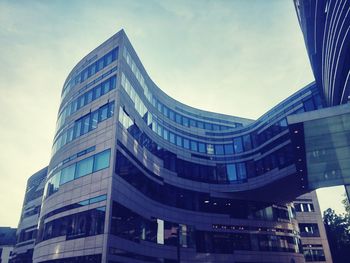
27, 234
195, 201
89, 201
312, 255
295, 104
304, 207
130, 225
93, 94
83, 224
309, 230
228, 173
90, 70
79, 169
238, 145
80, 259
143, 258
83, 125
176, 117
70, 158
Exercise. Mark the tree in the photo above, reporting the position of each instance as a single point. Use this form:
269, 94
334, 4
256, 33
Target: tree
338, 233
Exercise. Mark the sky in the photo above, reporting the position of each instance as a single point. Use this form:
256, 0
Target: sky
234, 57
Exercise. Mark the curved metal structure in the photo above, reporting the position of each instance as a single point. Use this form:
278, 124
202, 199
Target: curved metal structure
325, 25
136, 176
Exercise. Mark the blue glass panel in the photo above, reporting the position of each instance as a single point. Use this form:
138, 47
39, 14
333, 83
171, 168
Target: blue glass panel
231, 172
166, 134
237, 142
172, 137
85, 124
101, 160
208, 126
201, 147
84, 167
247, 142
193, 123
186, 143
178, 118
242, 173
171, 115
67, 174
103, 113
185, 121
194, 146
228, 148
97, 199
178, 140
219, 149
200, 124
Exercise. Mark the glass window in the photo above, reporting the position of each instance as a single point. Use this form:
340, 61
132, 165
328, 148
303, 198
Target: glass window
172, 115
103, 113
242, 173
84, 167
86, 124
110, 109
97, 92
185, 121
231, 172
165, 111
228, 148
200, 124
97, 199
194, 146
247, 142
309, 105
192, 123
172, 137
93, 69
53, 184
178, 118
179, 141
100, 64
208, 126
237, 142
201, 147
109, 58
166, 134
219, 149
77, 128
80, 102
216, 127
159, 106
88, 97
67, 174
101, 160
186, 143
105, 87
94, 120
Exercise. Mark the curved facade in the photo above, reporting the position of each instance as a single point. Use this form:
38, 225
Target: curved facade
136, 176
28, 224
325, 25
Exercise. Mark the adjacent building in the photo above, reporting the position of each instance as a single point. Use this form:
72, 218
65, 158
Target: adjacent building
7, 243
312, 231
28, 224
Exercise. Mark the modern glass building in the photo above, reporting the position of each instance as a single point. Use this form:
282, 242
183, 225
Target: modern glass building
28, 223
325, 25
136, 176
